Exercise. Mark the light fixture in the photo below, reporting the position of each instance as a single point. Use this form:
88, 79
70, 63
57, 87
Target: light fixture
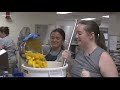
88, 19
107, 16
63, 12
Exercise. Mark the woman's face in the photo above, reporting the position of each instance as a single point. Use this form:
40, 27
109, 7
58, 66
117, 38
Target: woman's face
82, 36
56, 39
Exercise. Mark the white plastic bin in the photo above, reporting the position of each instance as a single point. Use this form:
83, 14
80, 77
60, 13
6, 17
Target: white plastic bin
54, 69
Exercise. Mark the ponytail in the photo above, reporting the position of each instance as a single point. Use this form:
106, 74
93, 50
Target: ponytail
101, 41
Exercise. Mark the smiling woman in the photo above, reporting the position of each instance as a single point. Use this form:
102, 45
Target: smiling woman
92, 60
54, 51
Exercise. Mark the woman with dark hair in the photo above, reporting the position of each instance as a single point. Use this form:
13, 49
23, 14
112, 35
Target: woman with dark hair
92, 59
57, 38
8, 44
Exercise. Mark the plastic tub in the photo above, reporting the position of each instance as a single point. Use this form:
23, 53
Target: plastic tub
54, 69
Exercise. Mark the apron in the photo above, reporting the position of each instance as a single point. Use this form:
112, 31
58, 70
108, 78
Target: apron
50, 57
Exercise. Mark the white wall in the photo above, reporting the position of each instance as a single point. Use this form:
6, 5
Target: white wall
104, 24
66, 22
114, 24
21, 19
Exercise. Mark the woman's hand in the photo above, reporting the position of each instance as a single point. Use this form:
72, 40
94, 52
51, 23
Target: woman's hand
85, 73
66, 54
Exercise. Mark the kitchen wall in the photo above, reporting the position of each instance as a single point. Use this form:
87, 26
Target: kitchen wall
23, 19
114, 24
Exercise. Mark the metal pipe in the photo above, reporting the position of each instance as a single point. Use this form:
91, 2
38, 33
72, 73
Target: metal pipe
76, 20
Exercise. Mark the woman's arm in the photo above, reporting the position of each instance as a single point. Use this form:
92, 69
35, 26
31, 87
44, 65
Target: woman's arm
1, 44
107, 66
1, 47
67, 55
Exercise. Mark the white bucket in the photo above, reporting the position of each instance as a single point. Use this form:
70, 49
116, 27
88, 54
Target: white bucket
54, 69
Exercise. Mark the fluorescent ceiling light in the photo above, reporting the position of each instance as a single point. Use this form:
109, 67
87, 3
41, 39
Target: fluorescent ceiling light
88, 19
63, 12
107, 16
